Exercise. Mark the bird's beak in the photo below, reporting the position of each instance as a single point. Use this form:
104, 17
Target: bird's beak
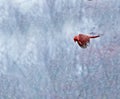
74, 40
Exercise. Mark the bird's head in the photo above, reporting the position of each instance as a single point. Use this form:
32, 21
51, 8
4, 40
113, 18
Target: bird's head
75, 39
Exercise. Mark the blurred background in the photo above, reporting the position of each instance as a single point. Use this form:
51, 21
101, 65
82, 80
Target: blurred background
39, 59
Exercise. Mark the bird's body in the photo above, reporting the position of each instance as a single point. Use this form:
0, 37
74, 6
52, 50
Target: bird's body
83, 39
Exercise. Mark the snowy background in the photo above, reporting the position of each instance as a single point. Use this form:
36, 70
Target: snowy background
39, 59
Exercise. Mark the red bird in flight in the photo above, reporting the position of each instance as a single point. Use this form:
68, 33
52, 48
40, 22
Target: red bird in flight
83, 39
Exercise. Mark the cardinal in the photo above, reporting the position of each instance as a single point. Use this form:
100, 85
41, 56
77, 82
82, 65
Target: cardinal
83, 40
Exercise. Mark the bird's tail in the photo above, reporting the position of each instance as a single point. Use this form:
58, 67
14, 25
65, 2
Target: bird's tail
94, 36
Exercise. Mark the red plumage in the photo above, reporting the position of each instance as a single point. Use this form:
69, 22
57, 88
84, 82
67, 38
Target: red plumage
83, 39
